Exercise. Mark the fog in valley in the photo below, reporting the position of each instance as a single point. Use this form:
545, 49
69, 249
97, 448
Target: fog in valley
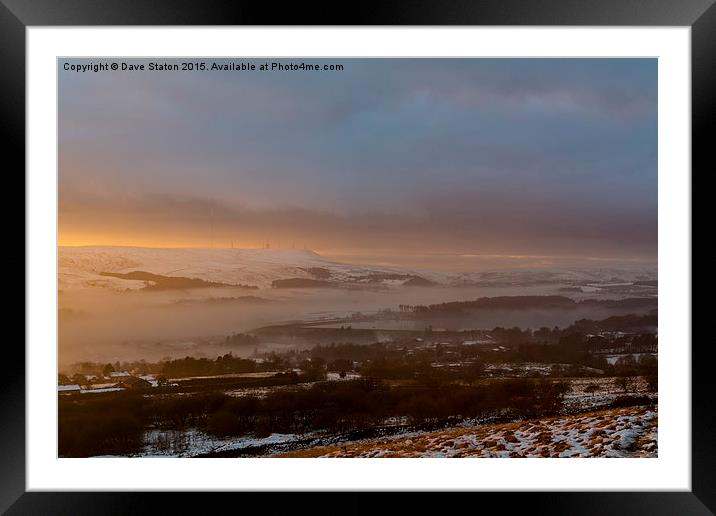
105, 325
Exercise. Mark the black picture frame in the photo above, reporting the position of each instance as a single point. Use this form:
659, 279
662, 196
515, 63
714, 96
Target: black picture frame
17, 15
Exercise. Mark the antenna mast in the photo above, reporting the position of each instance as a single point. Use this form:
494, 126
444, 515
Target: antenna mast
211, 228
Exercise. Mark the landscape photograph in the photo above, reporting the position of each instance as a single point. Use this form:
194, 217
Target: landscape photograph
357, 257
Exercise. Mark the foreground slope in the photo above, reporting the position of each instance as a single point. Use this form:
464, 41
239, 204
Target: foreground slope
622, 432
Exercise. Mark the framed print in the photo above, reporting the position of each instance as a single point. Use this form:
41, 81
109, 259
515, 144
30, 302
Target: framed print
424, 252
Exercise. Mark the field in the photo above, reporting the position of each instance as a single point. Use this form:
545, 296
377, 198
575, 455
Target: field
623, 432
610, 423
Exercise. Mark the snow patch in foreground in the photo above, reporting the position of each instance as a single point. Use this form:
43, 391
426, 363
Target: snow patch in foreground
193, 442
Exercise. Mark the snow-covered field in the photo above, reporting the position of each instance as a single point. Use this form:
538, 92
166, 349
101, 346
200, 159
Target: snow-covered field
80, 268
608, 390
623, 432
190, 443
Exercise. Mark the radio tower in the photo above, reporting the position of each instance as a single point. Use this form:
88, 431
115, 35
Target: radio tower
211, 228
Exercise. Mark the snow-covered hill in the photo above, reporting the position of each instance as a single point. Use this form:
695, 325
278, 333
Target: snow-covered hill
83, 267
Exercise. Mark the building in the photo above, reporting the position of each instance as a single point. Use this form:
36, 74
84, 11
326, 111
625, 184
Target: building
133, 382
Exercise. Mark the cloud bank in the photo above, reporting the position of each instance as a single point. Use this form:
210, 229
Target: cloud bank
494, 156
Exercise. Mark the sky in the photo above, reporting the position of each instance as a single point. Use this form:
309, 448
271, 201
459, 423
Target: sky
387, 160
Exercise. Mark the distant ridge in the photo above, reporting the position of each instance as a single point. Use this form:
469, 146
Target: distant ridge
82, 267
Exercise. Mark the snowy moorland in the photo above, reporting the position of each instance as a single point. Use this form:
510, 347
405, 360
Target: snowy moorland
87, 267
622, 432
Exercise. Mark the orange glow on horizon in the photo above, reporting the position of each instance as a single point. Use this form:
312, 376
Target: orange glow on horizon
82, 240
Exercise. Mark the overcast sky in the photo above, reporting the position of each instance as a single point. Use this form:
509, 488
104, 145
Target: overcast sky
534, 157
